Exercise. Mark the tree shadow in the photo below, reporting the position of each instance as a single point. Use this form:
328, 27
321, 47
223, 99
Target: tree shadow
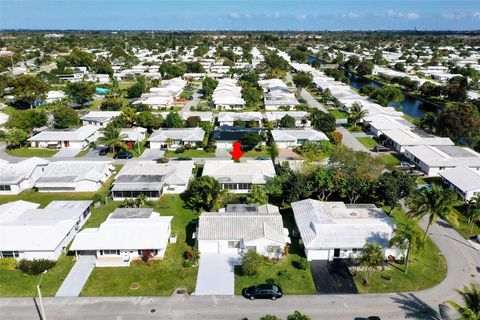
37, 308
415, 308
444, 224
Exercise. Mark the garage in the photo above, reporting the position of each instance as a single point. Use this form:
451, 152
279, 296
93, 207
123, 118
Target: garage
216, 274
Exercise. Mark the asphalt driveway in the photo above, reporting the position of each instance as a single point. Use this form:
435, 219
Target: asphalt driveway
332, 277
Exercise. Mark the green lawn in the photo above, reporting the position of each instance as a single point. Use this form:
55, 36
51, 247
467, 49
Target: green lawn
464, 227
390, 160
14, 283
427, 269
82, 153
198, 153
368, 142
338, 114
31, 152
283, 273
159, 278
255, 154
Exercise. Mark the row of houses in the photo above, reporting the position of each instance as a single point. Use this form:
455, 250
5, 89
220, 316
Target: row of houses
164, 95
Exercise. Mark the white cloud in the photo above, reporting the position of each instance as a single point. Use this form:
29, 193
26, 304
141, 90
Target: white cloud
476, 15
352, 15
452, 16
234, 15
413, 15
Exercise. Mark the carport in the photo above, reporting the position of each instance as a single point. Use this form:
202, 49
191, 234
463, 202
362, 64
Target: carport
332, 277
216, 274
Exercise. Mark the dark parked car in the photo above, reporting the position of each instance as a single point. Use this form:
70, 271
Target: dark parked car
263, 291
103, 152
369, 318
381, 149
123, 155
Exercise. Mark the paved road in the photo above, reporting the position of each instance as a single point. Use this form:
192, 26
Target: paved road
463, 267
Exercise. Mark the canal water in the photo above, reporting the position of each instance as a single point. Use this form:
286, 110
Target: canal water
411, 106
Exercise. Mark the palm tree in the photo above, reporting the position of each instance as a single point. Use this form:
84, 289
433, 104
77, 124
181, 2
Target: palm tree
356, 113
371, 257
112, 137
471, 298
408, 237
472, 211
434, 203
129, 115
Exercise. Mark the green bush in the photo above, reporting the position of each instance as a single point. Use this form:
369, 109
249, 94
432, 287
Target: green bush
301, 264
179, 150
8, 263
251, 263
35, 266
187, 146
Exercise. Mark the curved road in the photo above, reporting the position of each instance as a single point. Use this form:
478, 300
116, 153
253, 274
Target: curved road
463, 267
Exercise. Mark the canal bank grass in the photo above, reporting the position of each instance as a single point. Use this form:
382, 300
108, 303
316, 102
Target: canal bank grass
31, 152
427, 269
160, 277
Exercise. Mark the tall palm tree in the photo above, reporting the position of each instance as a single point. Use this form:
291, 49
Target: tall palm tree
129, 115
471, 298
472, 211
371, 258
112, 137
408, 237
434, 202
356, 113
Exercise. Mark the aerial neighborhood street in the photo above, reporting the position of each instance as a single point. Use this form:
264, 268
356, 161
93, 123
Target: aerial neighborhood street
239, 174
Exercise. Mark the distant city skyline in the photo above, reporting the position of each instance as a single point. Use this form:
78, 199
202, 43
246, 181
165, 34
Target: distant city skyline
240, 15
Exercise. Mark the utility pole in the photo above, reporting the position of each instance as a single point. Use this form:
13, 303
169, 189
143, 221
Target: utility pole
42, 310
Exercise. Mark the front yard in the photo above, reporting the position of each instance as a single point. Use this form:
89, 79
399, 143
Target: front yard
31, 152
368, 142
338, 114
197, 153
160, 277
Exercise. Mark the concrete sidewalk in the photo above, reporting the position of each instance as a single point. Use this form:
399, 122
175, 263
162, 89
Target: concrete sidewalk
77, 277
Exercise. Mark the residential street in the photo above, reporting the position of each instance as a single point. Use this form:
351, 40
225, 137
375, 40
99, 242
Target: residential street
463, 267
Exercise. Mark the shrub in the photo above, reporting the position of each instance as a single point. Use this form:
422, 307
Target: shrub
336, 137
180, 150
35, 266
301, 264
147, 255
8, 263
188, 146
251, 263
162, 160
190, 258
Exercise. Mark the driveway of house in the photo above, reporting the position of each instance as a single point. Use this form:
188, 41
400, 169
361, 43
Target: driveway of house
67, 153
216, 274
152, 154
222, 153
77, 277
332, 277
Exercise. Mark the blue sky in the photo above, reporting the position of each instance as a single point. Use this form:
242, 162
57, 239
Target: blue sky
241, 14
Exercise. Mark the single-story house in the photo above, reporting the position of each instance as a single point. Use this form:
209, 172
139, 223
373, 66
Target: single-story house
172, 138
127, 234
54, 96
99, 118
239, 177
434, 159
463, 180
380, 122
20, 176
277, 94
228, 94
225, 136
151, 179
291, 138
78, 138
74, 176
204, 116
398, 139
27, 232
239, 228
335, 230
301, 117
133, 135
229, 118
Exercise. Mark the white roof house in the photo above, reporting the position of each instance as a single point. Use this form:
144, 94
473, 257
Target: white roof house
229, 118
134, 134
151, 179
277, 94
380, 122
175, 137
287, 138
238, 177
434, 159
27, 232
228, 94
332, 230
124, 236
55, 95
241, 227
401, 138
78, 138
463, 180
204, 116
164, 95
20, 176
301, 117
74, 176
99, 118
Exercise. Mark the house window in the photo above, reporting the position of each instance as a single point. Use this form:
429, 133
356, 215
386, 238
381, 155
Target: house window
273, 249
111, 252
5, 187
9, 254
233, 244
